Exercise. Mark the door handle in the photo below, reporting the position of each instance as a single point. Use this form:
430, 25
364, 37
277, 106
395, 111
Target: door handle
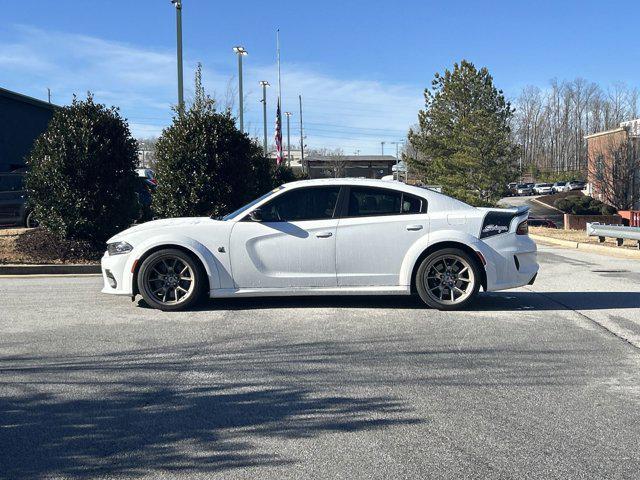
414, 227
324, 234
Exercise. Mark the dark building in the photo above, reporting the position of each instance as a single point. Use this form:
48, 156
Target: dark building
352, 166
22, 119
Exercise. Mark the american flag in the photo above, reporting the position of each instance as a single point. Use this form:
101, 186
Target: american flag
279, 154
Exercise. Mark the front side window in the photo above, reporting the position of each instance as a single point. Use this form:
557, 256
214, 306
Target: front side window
314, 203
370, 201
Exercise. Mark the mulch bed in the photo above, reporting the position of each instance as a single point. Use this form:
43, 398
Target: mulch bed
38, 246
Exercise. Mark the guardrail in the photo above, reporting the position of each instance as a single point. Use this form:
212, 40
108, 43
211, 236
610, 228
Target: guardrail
618, 232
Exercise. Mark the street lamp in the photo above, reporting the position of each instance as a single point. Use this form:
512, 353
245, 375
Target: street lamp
288, 114
264, 84
178, 5
241, 53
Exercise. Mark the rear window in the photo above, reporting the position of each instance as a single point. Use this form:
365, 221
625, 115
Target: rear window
371, 201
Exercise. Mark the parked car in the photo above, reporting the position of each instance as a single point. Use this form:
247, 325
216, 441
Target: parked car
144, 191
576, 185
541, 222
327, 237
542, 188
149, 174
559, 187
13, 202
524, 189
512, 189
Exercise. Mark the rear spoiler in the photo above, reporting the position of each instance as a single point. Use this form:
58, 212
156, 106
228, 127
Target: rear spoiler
499, 220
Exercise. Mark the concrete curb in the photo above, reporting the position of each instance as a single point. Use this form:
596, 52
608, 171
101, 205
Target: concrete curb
50, 269
602, 249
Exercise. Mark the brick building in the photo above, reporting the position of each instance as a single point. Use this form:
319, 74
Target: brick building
608, 161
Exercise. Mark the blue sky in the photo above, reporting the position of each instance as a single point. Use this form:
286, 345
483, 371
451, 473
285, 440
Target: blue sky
360, 66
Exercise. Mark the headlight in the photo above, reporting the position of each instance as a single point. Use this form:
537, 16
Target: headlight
118, 248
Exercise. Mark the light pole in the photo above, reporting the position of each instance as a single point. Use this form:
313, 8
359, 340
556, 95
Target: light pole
264, 84
178, 5
288, 114
241, 53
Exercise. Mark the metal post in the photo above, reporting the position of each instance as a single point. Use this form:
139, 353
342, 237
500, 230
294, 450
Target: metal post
288, 114
382, 144
178, 5
241, 53
301, 134
240, 106
49, 94
264, 84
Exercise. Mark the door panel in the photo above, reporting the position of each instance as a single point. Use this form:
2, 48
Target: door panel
378, 228
284, 254
370, 250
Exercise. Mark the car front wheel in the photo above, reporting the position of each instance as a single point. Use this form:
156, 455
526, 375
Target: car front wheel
448, 279
171, 280
30, 221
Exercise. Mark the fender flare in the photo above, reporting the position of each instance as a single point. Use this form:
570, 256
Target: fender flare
198, 249
442, 236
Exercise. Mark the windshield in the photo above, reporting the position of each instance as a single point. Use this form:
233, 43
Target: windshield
241, 210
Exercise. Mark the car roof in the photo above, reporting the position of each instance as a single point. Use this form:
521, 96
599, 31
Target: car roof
433, 197
360, 182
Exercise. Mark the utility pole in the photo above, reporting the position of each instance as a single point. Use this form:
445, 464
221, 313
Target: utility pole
301, 130
178, 5
382, 144
288, 114
264, 84
49, 94
241, 53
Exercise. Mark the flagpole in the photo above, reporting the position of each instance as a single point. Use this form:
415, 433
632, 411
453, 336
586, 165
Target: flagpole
278, 55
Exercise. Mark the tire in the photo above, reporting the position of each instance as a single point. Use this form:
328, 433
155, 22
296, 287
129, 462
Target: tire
171, 280
461, 269
30, 221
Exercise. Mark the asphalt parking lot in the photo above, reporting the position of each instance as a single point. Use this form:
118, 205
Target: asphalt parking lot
540, 382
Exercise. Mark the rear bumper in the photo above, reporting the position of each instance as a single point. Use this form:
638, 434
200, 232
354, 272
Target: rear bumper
511, 261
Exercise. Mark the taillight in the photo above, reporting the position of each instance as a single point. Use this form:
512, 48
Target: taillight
523, 228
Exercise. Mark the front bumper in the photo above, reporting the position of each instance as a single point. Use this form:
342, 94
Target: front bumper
116, 270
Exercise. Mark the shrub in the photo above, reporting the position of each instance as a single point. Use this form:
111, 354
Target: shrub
80, 176
583, 205
206, 166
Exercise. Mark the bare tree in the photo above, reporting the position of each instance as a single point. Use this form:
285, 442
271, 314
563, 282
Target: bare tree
616, 173
550, 125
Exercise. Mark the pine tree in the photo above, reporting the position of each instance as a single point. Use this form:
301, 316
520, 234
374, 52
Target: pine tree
463, 137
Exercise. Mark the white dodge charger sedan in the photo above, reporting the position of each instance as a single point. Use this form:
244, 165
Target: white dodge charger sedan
327, 237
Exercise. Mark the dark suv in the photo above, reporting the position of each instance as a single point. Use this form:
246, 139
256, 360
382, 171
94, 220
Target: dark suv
13, 201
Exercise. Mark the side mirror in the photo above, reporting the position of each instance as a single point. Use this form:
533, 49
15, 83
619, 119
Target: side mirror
256, 215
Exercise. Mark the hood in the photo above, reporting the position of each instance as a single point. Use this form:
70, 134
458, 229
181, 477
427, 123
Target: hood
161, 224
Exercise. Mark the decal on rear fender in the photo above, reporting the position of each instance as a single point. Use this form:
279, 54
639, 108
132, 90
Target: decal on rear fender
496, 223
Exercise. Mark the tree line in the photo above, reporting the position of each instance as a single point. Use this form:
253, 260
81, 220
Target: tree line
550, 124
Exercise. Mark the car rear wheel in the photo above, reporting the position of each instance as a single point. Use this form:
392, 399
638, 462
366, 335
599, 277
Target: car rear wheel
171, 280
448, 279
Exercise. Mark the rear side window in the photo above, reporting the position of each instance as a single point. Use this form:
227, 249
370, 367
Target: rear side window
315, 203
370, 201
